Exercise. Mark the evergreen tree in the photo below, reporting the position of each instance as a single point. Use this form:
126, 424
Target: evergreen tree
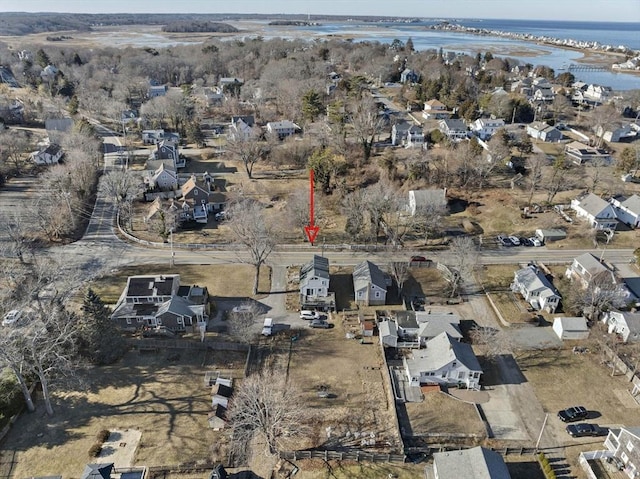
311, 105
99, 339
42, 58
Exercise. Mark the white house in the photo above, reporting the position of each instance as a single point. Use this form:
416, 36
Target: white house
599, 213
282, 128
423, 201
454, 129
625, 324
50, 155
369, 284
474, 463
585, 267
628, 210
435, 110
314, 285
540, 130
570, 328
598, 94
444, 361
485, 128
624, 444
406, 134
536, 289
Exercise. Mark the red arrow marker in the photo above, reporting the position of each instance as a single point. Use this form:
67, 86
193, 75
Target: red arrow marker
312, 230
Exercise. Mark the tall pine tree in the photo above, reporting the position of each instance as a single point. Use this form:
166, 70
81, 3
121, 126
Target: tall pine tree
99, 339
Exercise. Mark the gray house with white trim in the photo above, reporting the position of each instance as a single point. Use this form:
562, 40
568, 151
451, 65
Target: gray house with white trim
536, 289
369, 284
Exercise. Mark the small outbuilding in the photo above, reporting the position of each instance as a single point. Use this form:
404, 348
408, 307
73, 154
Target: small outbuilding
546, 235
571, 328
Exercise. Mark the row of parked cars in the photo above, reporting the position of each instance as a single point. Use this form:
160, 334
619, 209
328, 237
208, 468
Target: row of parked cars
577, 413
514, 240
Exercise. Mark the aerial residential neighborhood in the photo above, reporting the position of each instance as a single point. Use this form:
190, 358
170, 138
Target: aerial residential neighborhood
269, 246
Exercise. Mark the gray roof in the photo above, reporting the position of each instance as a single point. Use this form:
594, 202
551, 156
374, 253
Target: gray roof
578, 323
533, 280
58, 124
318, 266
387, 329
591, 263
443, 350
632, 320
632, 203
431, 325
593, 204
97, 471
430, 196
367, 273
474, 463
454, 124
176, 305
406, 319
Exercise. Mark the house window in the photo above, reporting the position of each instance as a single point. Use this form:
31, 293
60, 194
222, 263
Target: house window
158, 321
444, 374
476, 375
454, 364
629, 446
461, 375
128, 320
195, 192
624, 457
377, 294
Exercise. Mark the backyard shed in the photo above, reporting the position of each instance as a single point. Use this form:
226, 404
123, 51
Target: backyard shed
571, 328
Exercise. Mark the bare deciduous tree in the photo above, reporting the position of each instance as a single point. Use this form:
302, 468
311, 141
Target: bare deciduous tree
242, 321
491, 341
251, 229
463, 260
354, 208
267, 409
601, 294
366, 124
534, 174
248, 149
399, 270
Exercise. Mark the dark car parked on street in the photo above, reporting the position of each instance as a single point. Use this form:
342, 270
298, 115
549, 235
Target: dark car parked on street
583, 429
572, 414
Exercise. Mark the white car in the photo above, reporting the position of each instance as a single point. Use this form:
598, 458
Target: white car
515, 240
11, 317
310, 315
535, 241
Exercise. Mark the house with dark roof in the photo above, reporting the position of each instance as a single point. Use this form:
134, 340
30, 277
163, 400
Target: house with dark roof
453, 129
443, 361
599, 213
369, 284
163, 180
536, 289
48, 155
150, 301
474, 463
628, 209
409, 76
314, 285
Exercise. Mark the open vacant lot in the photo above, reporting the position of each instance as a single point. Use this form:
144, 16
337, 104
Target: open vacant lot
355, 378
163, 398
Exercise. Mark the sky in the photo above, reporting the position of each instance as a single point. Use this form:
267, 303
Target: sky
578, 10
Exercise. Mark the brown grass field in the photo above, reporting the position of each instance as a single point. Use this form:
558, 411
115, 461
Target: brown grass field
165, 400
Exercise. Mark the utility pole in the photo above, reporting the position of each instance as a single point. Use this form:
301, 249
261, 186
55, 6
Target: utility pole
546, 416
172, 260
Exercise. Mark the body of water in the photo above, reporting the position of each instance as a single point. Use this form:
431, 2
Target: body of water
424, 38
